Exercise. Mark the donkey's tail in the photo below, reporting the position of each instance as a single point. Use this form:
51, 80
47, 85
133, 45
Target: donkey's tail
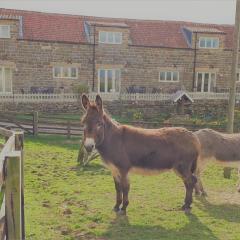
194, 166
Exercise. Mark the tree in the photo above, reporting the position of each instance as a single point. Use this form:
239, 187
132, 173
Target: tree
232, 94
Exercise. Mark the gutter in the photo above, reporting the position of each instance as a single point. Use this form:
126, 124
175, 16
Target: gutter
194, 62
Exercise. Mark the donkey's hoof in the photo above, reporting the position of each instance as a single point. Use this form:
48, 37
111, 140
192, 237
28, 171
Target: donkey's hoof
197, 193
116, 209
204, 194
122, 212
186, 209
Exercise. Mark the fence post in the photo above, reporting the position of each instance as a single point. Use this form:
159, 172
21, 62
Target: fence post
19, 139
13, 197
35, 123
68, 130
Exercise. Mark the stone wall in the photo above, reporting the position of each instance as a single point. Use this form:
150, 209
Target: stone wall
150, 111
33, 61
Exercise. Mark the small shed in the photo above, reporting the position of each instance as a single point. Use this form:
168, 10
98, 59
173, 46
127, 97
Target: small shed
182, 99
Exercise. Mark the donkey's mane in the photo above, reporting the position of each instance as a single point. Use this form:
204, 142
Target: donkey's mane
107, 117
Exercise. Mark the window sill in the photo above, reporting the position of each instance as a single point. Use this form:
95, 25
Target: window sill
168, 81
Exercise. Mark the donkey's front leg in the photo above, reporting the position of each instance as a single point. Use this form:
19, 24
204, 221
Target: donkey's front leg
118, 188
125, 189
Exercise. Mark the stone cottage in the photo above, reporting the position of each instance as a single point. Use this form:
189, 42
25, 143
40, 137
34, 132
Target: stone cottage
51, 53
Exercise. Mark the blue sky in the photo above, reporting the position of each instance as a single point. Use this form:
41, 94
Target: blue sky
209, 11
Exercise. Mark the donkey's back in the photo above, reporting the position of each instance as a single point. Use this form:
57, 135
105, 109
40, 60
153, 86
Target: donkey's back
216, 146
219, 146
159, 149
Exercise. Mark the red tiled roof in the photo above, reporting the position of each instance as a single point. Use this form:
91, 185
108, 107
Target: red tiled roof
70, 28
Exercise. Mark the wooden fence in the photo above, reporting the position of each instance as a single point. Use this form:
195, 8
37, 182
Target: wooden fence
12, 186
70, 97
35, 123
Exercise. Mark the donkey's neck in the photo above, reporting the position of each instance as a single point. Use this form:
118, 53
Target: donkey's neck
111, 128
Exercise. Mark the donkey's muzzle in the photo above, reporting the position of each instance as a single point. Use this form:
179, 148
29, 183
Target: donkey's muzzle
89, 144
89, 148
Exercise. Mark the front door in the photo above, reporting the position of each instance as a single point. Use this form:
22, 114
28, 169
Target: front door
108, 80
205, 82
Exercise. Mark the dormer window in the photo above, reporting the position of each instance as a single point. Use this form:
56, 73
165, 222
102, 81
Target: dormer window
208, 42
110, 37
4, 31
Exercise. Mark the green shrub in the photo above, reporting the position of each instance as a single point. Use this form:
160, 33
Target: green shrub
81, 88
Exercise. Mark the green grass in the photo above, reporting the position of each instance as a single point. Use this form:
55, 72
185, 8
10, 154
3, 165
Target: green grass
63, 201
2, 140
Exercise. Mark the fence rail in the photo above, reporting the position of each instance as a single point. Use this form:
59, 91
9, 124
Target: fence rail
34, 123
11, 185
55, 98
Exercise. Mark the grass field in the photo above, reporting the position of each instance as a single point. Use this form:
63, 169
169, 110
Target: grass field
63, 201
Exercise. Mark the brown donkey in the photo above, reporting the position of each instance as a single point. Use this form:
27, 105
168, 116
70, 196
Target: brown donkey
219, 147
125, 149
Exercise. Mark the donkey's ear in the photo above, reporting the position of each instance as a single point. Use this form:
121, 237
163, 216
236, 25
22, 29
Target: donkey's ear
99, 103
85, 102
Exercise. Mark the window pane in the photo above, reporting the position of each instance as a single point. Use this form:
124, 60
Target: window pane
175, 76
215, 43
213, 82
109, 80
73, 72
65, 73
57, 72
102, 80
199, 82
117, 80
8, 80
1, 80
118, 37
4, 31
202, 42
102, 37
209, 42
110, 37
162, 76
238, 75
206, 82
169, 76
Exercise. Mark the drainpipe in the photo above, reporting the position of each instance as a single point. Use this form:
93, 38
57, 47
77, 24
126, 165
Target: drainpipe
194, 62
94, 53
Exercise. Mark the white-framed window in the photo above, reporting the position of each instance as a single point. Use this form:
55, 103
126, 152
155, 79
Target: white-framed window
208, 42
65, 72
205, 82
168, 76
110, 37
109, 80
5, 31
5, 80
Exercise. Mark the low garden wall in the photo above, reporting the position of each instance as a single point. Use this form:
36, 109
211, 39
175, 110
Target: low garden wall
135, 110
